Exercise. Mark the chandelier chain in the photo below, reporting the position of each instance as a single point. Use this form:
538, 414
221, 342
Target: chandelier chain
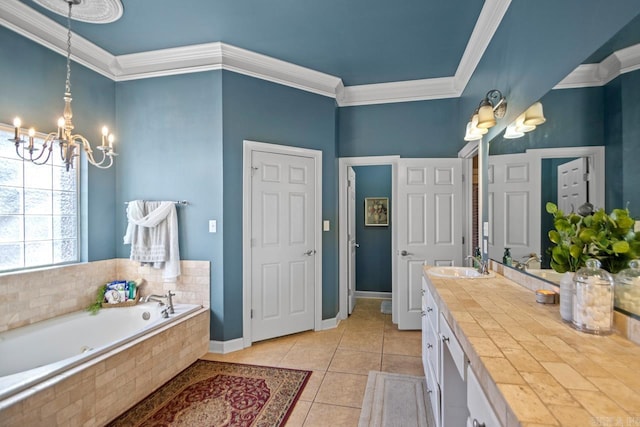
68, 82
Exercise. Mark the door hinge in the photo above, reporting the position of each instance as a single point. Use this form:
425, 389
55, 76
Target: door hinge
462, 177
253, 170
348, 183
463, 240
252, 313
586, 176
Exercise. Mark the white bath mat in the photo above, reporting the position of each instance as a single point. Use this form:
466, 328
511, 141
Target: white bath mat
385, 307
395, 400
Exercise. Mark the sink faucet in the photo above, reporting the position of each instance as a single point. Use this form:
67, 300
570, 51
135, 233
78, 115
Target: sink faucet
480, 264
523, 265
159, 299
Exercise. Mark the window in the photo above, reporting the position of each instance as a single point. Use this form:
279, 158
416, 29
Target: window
38, 209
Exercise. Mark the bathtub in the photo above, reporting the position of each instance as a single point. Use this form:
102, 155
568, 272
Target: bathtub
33, 354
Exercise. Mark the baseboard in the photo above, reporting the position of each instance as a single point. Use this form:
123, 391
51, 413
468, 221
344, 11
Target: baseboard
330, 323
224, 347
371, 294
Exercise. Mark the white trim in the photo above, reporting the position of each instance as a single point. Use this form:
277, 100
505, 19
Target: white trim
224, 347
331, 323
596, 156
372, 294
343, 164
29, 23
469, 151
247, 148
590, 75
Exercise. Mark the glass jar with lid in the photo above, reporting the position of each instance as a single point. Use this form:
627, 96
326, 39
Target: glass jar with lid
593, 299
627, 288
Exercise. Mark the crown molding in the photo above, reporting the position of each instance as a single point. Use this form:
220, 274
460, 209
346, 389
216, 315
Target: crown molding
215, 56
593, 75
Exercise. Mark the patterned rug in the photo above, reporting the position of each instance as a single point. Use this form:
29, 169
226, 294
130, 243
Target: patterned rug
221, 394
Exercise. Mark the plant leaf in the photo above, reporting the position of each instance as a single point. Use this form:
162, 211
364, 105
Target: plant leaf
551, 207
621, 247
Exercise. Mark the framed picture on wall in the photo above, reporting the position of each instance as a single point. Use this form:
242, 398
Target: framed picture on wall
376, 211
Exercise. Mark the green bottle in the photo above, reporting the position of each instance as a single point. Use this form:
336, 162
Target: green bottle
506, 258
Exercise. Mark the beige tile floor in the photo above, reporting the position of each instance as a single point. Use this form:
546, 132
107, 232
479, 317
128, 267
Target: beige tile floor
340, 359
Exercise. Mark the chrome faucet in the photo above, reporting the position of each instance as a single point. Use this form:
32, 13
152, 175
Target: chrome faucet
159, 299
480, 264
523, 265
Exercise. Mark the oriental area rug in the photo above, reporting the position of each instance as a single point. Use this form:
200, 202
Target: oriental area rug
221, 394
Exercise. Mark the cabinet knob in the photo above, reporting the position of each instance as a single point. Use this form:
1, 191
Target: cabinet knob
429, 309
423, 313
477, 423
421, 291
445, 339
429, 345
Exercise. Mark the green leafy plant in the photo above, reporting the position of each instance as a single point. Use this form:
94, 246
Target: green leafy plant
97, 304
608, 238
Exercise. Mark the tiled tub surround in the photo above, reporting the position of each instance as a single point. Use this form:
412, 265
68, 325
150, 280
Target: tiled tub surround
534, 368
99, 390
33, 296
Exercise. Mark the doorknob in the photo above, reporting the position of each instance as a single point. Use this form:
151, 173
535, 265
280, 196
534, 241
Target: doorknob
405, 253
310, 252
357, 245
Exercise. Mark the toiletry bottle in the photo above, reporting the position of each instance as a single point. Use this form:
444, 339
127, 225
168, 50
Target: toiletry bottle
506, 258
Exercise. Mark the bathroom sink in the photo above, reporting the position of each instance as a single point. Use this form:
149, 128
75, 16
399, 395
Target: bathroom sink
458, 273
546, 274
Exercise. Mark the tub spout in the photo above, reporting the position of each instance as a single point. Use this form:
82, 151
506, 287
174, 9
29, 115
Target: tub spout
160, 299
156, 298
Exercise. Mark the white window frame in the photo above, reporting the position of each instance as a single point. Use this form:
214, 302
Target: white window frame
7, 131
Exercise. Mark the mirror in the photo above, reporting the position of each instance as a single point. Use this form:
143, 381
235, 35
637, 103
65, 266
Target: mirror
580, 120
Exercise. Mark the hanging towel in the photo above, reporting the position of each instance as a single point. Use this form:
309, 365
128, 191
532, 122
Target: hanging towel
152, 233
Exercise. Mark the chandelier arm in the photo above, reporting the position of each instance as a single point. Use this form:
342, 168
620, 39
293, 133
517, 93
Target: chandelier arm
86, 146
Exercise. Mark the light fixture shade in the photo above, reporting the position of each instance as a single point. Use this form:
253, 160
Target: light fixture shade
474, 125
486, 118
512, 132
534, 115
521, 126
471, 134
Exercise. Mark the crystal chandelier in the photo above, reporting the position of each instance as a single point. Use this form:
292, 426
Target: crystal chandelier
67, 141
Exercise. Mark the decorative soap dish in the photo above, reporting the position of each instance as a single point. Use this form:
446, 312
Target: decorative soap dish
544, 296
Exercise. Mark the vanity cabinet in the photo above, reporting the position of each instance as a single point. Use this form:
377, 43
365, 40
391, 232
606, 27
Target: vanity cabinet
431, 349
455, 395
481, 413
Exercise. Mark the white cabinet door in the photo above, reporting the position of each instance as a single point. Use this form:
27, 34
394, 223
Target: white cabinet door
429, 227
479, 407
572, 185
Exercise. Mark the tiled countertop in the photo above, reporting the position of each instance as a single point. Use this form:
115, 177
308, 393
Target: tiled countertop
536, 369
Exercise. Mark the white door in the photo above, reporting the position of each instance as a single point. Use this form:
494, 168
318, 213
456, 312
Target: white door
513, 206
429, 227
283, 244
351, 237
572, 185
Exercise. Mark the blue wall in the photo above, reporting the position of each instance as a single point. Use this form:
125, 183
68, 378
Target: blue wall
267, 112
410, 129
373, 257
171, 129
33, 89
630, 155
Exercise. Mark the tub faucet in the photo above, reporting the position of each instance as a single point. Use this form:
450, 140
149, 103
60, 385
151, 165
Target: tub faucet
523, 265
160, 300
482, 265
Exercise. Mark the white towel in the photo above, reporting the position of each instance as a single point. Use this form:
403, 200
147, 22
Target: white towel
152, 233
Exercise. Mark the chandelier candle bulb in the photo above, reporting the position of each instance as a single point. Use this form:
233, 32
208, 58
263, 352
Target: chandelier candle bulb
111, 139
32, 134
16, 124
60, 127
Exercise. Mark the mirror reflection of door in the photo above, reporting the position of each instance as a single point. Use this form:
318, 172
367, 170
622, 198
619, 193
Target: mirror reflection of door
573, 185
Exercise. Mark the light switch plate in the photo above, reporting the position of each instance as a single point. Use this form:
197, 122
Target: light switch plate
213, 226
326, 226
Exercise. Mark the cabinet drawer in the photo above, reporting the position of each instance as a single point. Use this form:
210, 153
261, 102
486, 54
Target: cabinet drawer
429, 305
479, 407
433, 394
449, 339
432, 348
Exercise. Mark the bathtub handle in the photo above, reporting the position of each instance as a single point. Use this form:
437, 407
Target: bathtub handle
170, 296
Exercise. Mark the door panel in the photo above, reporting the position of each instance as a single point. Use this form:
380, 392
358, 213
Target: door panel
572, 185
283, 244
513, 197
430, 227
351, 238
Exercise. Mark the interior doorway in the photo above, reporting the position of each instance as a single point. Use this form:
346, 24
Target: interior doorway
348, 250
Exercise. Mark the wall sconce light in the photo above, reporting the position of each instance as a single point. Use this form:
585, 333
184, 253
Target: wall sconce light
473, 132
534, 115
492, 107
526, 122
